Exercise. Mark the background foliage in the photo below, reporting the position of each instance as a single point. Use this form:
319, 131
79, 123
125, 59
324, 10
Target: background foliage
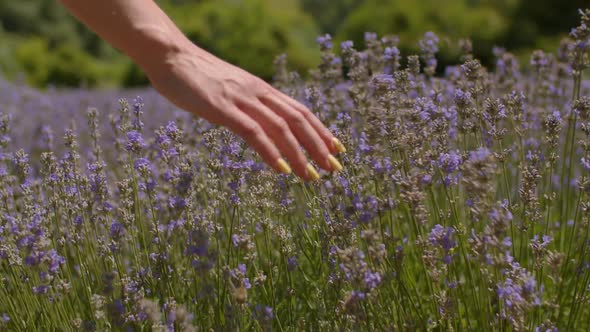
45, 45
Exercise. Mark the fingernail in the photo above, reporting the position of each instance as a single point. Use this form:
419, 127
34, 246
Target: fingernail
334, 163
312, 172
338, 145
283, 166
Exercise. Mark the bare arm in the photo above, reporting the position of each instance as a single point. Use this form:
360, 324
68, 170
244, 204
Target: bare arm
139, 28
272, 123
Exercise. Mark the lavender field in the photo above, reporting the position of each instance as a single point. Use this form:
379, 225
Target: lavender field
464, 203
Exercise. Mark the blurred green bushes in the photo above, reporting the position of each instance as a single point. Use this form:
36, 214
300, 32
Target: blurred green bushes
41, 40
250, 33
50, 47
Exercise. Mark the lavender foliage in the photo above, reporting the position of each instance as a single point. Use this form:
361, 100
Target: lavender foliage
463, 205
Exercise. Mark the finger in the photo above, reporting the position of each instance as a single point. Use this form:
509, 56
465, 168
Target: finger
278, 130
256, 137
331, 142
304, 132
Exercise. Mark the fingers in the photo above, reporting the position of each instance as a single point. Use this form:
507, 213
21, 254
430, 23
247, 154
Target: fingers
330, 141
279, 132
256, 137
305, 133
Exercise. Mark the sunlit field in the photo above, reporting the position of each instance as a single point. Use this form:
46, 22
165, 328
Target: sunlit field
464, 203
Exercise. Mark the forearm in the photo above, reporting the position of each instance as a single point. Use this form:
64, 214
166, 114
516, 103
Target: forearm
138, 28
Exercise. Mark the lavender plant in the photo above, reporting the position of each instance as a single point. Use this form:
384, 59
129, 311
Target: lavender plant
464, 204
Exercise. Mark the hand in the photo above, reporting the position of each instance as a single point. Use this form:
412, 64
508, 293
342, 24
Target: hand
272, 123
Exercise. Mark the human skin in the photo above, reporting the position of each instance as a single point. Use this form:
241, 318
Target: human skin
272, 123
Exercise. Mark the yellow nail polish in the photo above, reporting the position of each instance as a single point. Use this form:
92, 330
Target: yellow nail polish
336, 165
283, 166
338, 145
312, 172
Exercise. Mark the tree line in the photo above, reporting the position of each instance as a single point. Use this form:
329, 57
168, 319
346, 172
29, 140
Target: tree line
45, 44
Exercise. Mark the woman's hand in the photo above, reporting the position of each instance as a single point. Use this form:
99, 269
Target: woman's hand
272, 123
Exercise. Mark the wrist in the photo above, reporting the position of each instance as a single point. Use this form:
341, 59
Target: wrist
156, 45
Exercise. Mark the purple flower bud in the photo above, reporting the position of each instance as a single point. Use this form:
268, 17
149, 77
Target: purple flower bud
172, 130
117, 229
391, 53
449, 162
359, 295
370, 36
40, 290
141, 164
292, 263
479, 155
372, 279
325, 42
246, 283
346, 45
137, 110
135, 141
55, 261
442, 237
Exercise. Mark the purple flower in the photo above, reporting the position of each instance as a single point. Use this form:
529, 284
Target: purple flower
131, 287
372, 279
556, 116
246, 283
292, 263
177, 202
40, 290
235, 239
137, 110
263, 313
370, 36
325, 42
141, 164
358, 295
479, 155
391, 53
268, 313
429, 44
55, 261
540, 244
135, 141
443, 238
510, 293
31, 260
172, 130
20, 158
117, 229
500, 215
383, 82
462, 98
449, 162
346, 45
235, 199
